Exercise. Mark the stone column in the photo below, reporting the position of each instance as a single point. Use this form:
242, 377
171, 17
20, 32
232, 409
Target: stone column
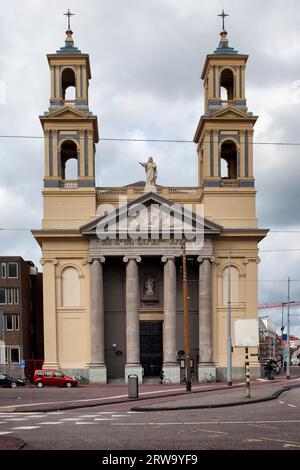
133, 365
97, 371
170, 365
205, 365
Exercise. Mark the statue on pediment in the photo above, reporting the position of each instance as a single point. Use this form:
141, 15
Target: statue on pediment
151, 175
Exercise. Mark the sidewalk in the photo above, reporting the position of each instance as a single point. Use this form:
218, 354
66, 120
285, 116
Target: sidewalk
54, 399
169, 397
224, 398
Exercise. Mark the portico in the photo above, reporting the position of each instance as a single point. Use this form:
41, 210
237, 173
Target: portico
151, 275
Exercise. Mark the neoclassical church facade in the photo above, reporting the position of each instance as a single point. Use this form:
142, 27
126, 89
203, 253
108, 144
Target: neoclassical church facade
114, 306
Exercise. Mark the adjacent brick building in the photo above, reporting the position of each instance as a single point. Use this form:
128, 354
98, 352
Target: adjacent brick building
22, 304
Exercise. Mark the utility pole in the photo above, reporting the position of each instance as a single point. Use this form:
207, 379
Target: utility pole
229, 341
188, 382
288, 333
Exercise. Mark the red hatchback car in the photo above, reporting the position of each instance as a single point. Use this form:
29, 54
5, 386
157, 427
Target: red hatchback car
53, 378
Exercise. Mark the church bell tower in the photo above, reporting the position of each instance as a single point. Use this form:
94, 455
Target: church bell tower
224, 139
71, 132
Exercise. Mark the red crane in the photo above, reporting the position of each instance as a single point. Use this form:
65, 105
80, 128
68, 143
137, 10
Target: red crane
278, 305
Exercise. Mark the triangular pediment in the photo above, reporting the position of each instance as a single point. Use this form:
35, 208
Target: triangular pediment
67, 112
148, 214
230, 113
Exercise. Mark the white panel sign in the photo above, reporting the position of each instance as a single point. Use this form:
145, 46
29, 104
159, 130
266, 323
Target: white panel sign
246, 333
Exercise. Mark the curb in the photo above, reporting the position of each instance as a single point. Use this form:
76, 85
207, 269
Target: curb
11, 443
274, 395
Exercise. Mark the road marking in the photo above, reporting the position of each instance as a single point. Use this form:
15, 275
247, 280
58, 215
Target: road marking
51, 422
131, 424
262, 426
103, 419
88, 416
245, 422
161, 424
193, 423
71, 419
17, 419
252, 440
6, 432
282, 402
291, 445
293, 406
281, 440
34, 413
85, 422
118, 416
21, 428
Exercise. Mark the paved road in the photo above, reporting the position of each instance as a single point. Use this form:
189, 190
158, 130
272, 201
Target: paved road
269, 425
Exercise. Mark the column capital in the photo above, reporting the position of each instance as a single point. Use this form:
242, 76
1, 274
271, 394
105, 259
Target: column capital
101, 259
49, 260
200, 259
167, 258
136, 258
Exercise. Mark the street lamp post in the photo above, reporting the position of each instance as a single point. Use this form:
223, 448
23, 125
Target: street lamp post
229, 342
288, 333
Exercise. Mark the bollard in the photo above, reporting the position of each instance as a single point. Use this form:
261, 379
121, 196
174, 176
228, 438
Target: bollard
133, 386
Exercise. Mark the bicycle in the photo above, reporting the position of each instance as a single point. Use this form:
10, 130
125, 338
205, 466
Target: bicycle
207, 378
81, 379
162, 380
193, 379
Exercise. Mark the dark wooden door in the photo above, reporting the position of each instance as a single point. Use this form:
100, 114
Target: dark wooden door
151, 348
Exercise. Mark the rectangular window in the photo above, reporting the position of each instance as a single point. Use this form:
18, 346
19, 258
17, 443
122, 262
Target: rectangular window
6, 354
3, 270
9, 322
17, 322
10, 296
2, 296
16, 296
13, 270
14, 355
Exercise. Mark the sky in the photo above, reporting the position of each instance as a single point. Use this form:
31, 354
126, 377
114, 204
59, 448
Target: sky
146, 59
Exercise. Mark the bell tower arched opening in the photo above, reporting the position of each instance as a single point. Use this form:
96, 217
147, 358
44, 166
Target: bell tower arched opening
228, 162
227, 85
68, 84
69, 167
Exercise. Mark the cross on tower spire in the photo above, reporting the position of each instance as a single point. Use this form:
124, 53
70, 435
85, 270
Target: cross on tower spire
69, 14
223, 16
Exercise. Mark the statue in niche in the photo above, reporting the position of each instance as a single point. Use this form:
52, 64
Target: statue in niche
149, 285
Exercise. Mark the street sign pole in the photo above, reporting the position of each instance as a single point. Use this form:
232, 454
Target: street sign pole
247, 372
288, 333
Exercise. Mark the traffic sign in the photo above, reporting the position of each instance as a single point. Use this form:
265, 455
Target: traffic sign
22, 363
